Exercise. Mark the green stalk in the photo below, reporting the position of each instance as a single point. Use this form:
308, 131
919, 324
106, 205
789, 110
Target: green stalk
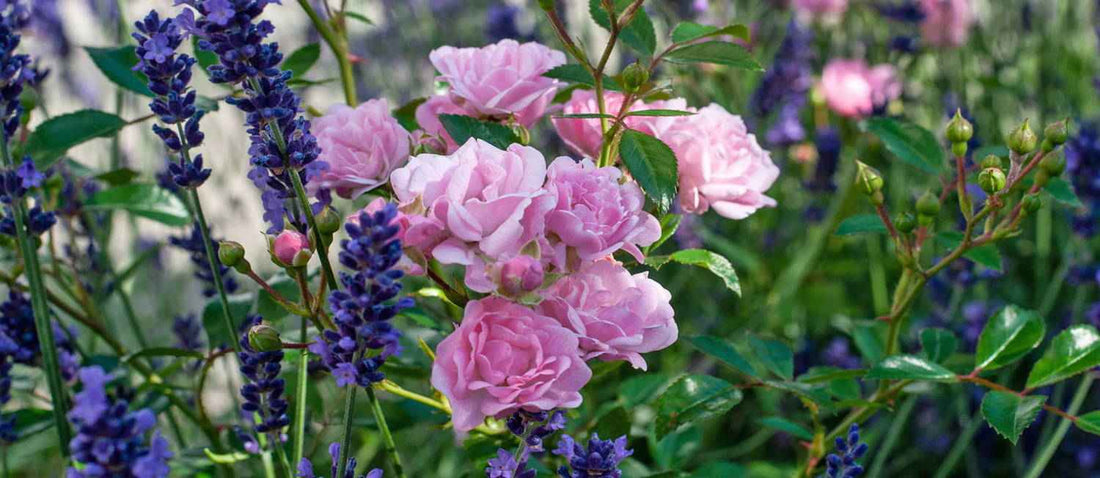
41, 309
387, 437
962, 443
300, 399
345, 441
318, 239
1044, 456
337, 40
896, 427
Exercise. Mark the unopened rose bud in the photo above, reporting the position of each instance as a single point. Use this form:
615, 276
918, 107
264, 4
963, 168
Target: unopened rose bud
1031, 203
1057, 133
869, 181
959, 130
520, 275
991, 161
1023, 140
1053, 164
992, 180
634, 77
328, 221
290, 249
928, 205
905, 222
264, 338
231, 254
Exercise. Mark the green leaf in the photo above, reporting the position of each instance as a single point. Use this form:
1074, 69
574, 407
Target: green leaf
660, 113
641, 389
1062, 191
937, 344
1009, 414
987, 255
638, 34
724, 352
823, 374
784, 425
118, 177
775, 355
910, 367
575, 73
1073, 351
146, 200
719, 470
690, 31
812, 392
205, 58
868, 339
708, 260
29, 421
266, 305
693, 398
358, 16
585, 116
1089, 422
53, 138
406, 114
462, 128
860, 224
214, 323
1008, 336
669, 224
226, 458
909, 142
301, 60
653, 165
717, 52
117, 64
162, 352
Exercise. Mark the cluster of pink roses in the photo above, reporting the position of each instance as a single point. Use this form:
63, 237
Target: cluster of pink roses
853, 89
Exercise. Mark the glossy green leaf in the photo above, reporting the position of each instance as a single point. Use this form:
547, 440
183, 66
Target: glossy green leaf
53, 138
718, 265
1009, 335
146, 200
214, 323
1062, 191
815, 393
690, 31
462, 128
911, 143
987, 255
861, 223
638, 34
1009, 414
1089, 422
301, 60
406, 114
653, 164
724, 352
1073, 351
776, 356
117, 64
784, 425
717, 52
910, 367
162, 352
575, 73
937, 344
693, 398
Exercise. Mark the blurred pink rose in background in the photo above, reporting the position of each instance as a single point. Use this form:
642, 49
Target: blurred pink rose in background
361, 145
616, 315
830, 10
852, 89
721, 165
946, 22
501, 79
504, 357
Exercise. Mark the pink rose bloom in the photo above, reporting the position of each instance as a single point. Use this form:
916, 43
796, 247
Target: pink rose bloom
291, 247
721, 165
504, 357
362, 146
853, 90
427, 116
946, 22
479, 201
595, 213
617, 316
830, 10
585, 136
406, 263
501, 79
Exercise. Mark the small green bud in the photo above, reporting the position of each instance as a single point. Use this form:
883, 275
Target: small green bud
1031, 203
928, 205
868, 179
1023, 140
905, 222
264, 338
959, 130
329, 221
634, 77
992, 180
1053, 164
1057, 133
231, 254
991, 161
959, 149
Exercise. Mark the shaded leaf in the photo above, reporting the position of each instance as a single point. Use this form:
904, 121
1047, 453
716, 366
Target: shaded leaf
301, 60
406, 114
1089, 422
724, 352
53, 138
987, 255
789, 427
162, 352
653, 164
689, 31
1062, 191
1009, 335
1009, 414
146, 200
693, 398
861, 223
911, 143
462, 128
775, 355
1073, 351
828, 374
708, 260
213, 322
910, 367
638, 34
717, 52
937, 344
641, 389
658, 112
117, 64
575, 73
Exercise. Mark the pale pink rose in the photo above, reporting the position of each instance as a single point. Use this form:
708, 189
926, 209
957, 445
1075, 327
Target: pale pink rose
504, 357
402, 221
721, 165
520, 274
479, 201
946, 22
852, 89
595, 213
502, 79
433, 133
585, 136
290, 246
830, 10
616, 316
361, 145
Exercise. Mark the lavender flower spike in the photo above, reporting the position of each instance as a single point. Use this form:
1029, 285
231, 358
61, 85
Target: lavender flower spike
305, 467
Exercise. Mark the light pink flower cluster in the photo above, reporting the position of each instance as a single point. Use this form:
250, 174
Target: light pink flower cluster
584, 135
829, 10
853, 89
361, 145
946, 22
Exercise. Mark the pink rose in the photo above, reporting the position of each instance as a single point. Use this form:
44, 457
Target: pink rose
291, 248
407, 263
504, 357
427, 116
830, 10
721, 165
617, 316
946, 22
479, 201
595, 213
502, 79
852, 89
362, 146
585, 136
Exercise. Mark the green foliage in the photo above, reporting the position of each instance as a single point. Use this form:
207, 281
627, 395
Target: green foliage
724, 352
1089, 422
462, 128
987, 255
638, 34
146, 200
691, 31
1062, 191
117, 64
1073, 351
53, 138
301, 60
718, 265
1008, 336
214, 323
776, 356
784, 425
653, 165
937, 344
693, 398
716, 52
575, 73
911, 143
1009, 414
910, 367
406, 114
861, 223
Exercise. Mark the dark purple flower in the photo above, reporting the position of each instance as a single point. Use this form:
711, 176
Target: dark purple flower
1083, 170
188, 331
844, 463
784, 86
600, 459
263, 390
305, 467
